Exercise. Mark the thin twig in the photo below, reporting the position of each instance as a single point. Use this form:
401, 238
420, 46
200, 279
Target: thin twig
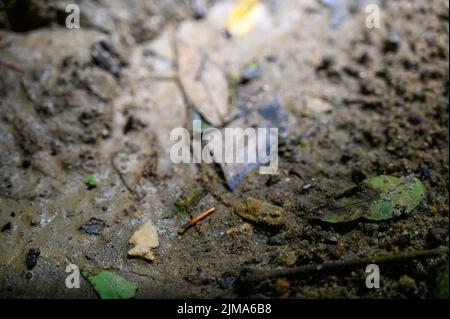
122, 177
195, 220
252, 276
11, 66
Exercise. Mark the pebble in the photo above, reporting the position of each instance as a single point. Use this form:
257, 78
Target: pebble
438, 236
392, 43
383, 226
290, 259
282, 285
415, 120
7, 226
35, 220
31, 258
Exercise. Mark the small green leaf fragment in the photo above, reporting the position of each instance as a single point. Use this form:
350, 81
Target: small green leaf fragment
109, 285
441, 289
91, 182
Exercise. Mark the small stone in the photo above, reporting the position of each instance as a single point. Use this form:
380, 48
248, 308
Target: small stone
94, 226
290, 259
32, 256
383, 226
392, 43
244, 228
282, 285
7, 226
415, 120
437, 236
337, 250
29, 275
35, 220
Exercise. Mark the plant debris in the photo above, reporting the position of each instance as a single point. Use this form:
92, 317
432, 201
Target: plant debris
91, 182
195, 220
260, 212
204, 83
144, 239
378, 198
109, 285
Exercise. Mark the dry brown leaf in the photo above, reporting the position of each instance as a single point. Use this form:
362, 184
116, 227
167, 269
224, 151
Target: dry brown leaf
144, 239
204, 83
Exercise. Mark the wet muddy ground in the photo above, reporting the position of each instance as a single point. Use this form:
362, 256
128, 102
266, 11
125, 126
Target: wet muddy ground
102, 100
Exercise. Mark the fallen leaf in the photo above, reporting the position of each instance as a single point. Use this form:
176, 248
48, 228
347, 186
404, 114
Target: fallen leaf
441, 289
144, 239
260, 212
109, 285
204, 83
378, 198
244, 16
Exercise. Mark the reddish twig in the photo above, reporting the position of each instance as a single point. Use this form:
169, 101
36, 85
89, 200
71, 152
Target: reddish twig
11, 66
194, 221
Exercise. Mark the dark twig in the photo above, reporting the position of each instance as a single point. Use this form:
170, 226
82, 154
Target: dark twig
249, 276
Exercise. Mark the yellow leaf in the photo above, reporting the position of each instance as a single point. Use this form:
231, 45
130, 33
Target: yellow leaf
244, 16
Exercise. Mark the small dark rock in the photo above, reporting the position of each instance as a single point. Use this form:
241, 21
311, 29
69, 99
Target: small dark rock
94, 226
325, 64
275, 241
415, 120
345, 159
7, 226
383, 226
199, 8
392, 43
29, 275
32, 256
227, 280
437, 236
426, 174
402, 241
358, 177
251, 72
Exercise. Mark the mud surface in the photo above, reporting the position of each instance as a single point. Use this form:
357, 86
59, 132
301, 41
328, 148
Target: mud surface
101, 101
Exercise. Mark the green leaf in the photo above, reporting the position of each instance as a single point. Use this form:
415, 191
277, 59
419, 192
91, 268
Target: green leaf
109, 285
441, 290
378, 198
90, 181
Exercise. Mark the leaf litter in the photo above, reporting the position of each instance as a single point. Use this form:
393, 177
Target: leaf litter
377, 198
